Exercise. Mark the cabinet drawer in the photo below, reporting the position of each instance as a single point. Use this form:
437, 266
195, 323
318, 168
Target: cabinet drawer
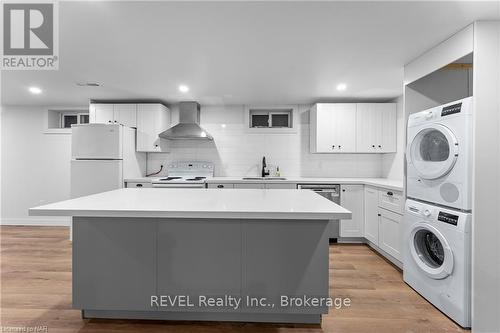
250, 185
222, 186
391, 200
138, 184
281, 186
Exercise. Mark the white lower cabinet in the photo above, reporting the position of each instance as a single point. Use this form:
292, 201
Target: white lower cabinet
371, 214
138, 184
287, 186
249, 185
351, 198
220, 186
279, 186
383, 226
389, 232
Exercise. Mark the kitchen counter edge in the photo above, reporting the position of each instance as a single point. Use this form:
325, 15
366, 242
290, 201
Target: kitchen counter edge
386, 183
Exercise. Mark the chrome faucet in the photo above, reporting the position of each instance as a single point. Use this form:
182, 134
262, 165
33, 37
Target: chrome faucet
264, 166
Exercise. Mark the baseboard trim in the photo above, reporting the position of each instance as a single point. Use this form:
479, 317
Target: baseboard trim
56, 221
278, 318
385, 255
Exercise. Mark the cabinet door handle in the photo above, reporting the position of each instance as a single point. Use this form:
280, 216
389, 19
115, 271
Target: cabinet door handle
379, 146
138, 185
390, 193
333, 146
373, 146
379, 214
220, 186
340, 146
343, 190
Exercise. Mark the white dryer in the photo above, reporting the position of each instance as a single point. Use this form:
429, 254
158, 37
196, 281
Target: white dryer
437, 257
439, 155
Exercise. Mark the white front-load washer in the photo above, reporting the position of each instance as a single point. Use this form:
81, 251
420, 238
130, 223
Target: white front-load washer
437, 257
439, 155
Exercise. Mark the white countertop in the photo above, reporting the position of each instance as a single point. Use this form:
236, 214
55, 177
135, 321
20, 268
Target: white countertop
392, 184
396, 185
199, 203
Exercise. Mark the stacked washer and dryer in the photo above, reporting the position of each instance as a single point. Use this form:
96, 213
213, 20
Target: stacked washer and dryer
437, 222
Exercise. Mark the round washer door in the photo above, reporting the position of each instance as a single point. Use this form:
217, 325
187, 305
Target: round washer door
433, 151
430, 251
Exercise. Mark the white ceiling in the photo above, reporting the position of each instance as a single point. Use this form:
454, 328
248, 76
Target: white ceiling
239, 52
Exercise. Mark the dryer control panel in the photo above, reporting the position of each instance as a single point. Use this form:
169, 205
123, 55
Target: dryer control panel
451, 109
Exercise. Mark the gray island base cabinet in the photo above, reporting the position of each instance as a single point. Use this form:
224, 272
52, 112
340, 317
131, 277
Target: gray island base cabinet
158, 254
120, 263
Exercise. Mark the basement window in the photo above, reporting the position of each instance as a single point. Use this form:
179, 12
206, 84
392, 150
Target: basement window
270, 118
60, 120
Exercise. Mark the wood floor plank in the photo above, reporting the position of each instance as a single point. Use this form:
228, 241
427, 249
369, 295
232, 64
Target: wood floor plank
35, 277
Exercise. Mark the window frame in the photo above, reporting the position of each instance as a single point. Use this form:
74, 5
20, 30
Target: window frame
54, 118
64, 114
290, 110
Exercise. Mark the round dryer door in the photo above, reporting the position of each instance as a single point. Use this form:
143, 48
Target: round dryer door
430, 251
433, 151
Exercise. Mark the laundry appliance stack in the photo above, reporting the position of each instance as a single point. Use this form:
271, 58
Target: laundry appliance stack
438, 210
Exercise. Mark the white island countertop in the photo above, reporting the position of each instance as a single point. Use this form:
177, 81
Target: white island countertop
199, 203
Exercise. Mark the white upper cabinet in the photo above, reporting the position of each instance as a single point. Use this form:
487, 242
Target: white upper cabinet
351, 198
333, 128
389, 128
353, 128
124, 114
376, 128
101, 113
152, 119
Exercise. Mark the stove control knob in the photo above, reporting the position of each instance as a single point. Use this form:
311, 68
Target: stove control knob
427, 213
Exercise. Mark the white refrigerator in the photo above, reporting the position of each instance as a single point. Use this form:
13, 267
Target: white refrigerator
102, 156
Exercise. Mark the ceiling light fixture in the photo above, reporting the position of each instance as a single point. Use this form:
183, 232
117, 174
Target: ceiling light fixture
341, 87
183, 88
35, 90
88, 84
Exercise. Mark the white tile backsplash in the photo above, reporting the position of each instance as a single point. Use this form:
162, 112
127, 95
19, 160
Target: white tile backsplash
235, 152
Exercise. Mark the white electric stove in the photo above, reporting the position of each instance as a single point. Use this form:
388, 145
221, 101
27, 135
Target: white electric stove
185, 174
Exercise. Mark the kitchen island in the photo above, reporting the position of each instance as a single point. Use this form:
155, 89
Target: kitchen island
200, 254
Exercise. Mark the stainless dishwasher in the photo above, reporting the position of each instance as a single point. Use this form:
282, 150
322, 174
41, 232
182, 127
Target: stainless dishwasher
332, 193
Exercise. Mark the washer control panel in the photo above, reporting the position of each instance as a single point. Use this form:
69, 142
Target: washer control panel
448, 218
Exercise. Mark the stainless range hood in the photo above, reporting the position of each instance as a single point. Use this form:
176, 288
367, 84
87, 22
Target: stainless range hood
188, 127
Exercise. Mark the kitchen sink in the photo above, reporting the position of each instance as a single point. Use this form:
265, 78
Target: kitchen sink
264, 178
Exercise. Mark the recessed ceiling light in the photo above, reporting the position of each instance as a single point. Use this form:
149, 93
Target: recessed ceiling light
183, 88
35, 90
341, 87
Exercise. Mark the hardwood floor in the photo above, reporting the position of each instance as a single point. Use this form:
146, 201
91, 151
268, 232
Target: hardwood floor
36, 291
